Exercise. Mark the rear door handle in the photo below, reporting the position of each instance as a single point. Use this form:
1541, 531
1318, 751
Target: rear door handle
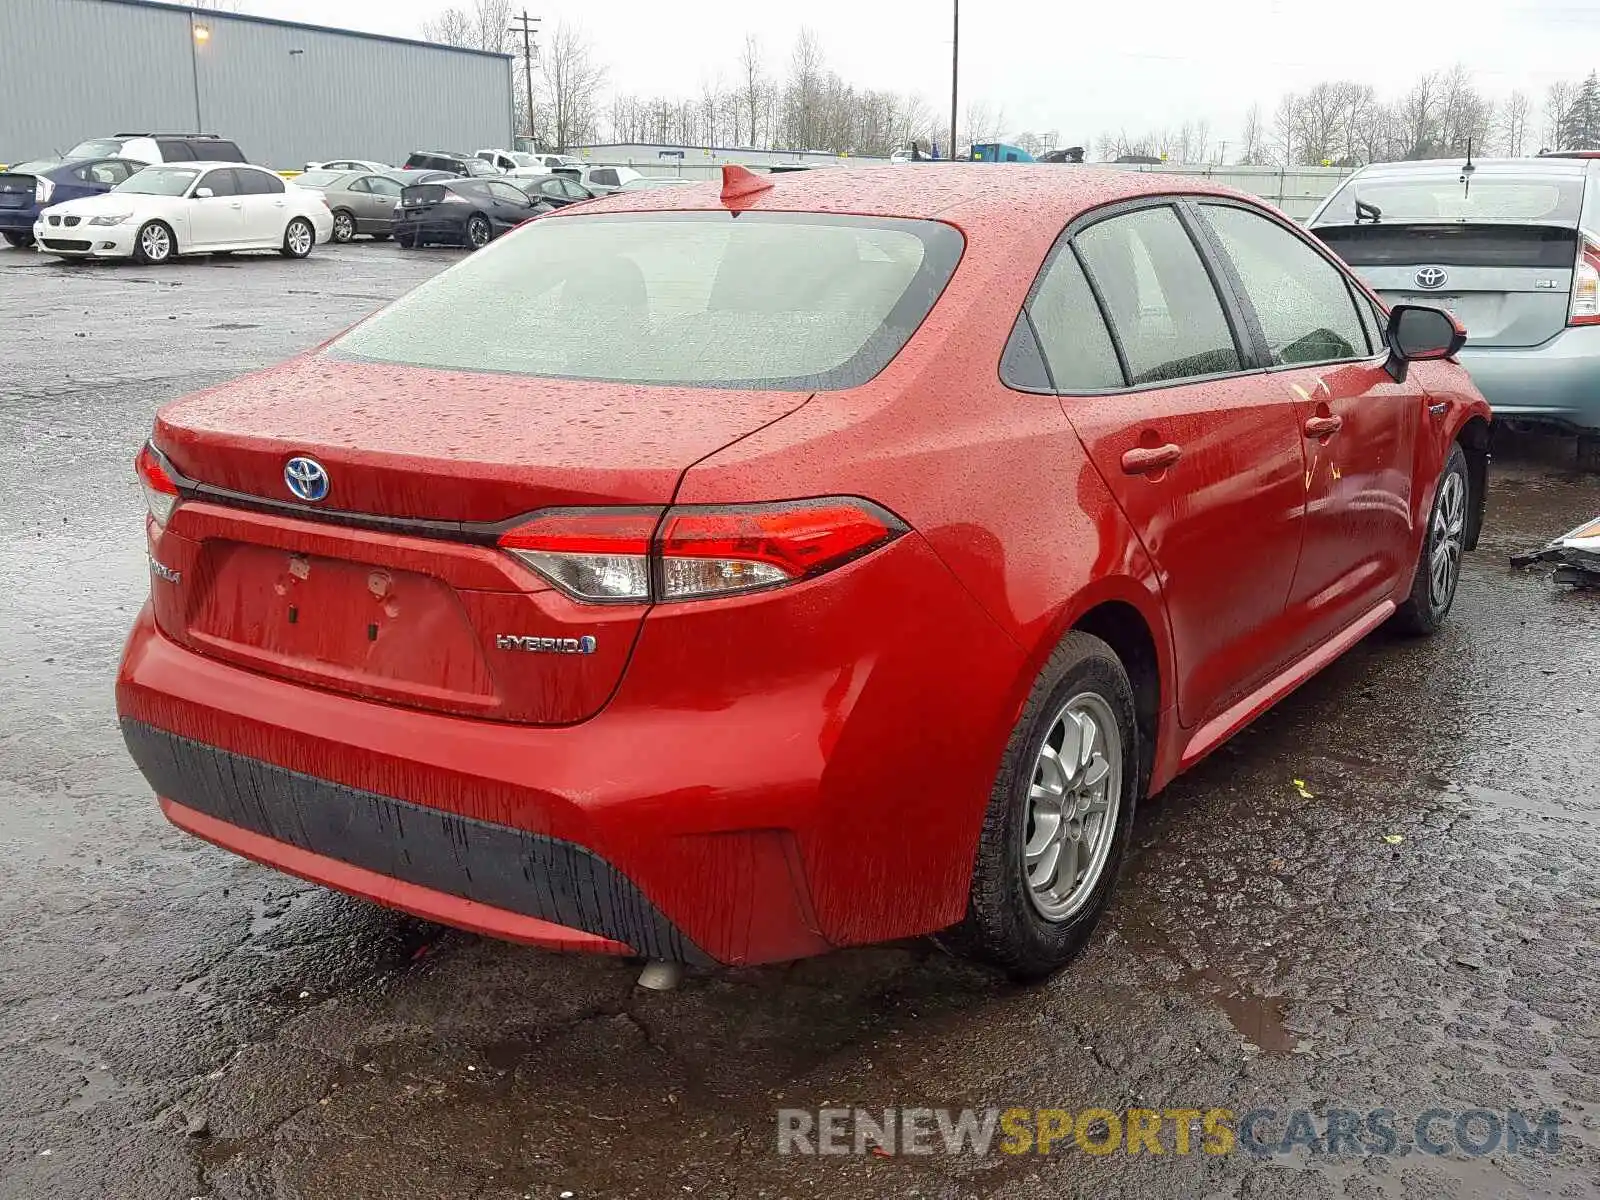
1145, 460
1321, 427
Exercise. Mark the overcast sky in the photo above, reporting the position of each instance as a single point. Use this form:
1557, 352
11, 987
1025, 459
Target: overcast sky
1079, 68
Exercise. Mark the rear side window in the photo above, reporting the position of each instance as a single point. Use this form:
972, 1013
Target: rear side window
787, 301
605, 177
258, 183
1301, 299
1072, 334
379, 186
173, 150
219, 151
1159, 297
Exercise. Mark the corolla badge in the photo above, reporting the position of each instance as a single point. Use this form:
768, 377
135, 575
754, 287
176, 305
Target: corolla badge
307, 479
1431, 277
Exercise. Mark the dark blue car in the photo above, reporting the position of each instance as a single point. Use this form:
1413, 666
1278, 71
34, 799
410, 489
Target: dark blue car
28, 187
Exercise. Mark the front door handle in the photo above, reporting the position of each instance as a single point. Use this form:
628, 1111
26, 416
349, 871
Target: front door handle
1147, 460
1321, 427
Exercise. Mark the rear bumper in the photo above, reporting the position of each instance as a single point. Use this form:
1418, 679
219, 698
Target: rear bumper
1558, 382
776, 775
19, 220
432, 229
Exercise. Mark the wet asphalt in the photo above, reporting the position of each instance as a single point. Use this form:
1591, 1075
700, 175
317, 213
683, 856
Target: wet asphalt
1415, 925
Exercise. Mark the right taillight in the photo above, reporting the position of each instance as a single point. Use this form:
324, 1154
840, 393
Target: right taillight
1586, 285
697, 552
160, 493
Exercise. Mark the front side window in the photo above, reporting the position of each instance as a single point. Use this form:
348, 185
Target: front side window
221, 183
1159, 297
159, 181
1072, 334
790, 301
1301, 298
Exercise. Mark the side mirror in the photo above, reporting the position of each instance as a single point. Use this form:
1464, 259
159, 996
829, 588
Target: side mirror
204, 193
1420, 333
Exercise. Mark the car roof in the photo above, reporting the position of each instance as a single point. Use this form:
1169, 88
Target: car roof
1013, 195
1545, 165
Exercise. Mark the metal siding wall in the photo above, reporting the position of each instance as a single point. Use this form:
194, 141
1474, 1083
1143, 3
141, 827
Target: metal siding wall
87, 68
346, 96
75, 69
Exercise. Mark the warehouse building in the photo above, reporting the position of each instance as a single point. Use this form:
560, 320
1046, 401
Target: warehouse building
286, 93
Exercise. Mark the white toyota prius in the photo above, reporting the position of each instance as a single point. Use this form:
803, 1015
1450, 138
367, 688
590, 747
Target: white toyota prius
188, 208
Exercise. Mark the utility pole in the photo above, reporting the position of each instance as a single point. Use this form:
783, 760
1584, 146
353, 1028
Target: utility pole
524, 25
955, 75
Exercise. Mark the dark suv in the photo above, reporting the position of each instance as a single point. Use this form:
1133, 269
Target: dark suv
446, 160
159, 148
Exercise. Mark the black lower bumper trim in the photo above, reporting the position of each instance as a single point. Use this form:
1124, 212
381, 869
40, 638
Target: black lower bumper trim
507, 868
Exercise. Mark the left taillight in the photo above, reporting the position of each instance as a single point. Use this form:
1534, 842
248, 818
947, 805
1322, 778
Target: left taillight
43, 189
160, 493
1585, 309
697, 552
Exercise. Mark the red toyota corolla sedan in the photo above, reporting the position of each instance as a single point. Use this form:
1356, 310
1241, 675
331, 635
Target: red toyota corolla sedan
725, 576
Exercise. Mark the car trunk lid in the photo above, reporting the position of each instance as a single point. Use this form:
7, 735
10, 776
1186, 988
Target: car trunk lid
392, 587
1510, 285
17, 189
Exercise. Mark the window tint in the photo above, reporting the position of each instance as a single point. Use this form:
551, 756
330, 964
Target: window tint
219, 151
605, 176
1159, 297
575, 191
1301, 298
258, 183
174, 151
1072, 333
110, 172
508, 194
221, 183
797, 301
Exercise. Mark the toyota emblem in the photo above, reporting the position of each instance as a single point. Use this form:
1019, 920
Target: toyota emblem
1431, 278
307, 479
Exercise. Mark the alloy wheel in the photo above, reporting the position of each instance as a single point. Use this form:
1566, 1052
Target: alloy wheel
1446, 539
299, 238
344, 227
478, 233
156, 243
1072, 804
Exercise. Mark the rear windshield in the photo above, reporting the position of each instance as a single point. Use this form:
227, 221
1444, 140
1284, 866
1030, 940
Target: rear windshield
96, 148
1453, 245
159, 181
317, 179
1550, 199
792, 301
33, 168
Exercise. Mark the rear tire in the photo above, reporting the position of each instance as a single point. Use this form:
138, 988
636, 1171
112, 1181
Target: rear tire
299, 236
1028, 912
19, 239
344, 225
479, 231
1433, 590
154, 244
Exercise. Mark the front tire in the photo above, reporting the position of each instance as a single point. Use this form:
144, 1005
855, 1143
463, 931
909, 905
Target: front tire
1059, 816
479, 231
154, 244
1433, 589
19, 239
344, 225
298, 239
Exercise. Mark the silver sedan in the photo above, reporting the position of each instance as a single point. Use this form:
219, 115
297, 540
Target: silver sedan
361, 201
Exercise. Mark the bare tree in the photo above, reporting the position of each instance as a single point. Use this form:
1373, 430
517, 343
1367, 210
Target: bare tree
1557, 108
452, 27
1253, 139
753, 86
1514, 123
982, 123
1286, 130
1419, 114
572, 82
802, 99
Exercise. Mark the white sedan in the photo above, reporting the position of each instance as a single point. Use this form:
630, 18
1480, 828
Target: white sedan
188, 208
